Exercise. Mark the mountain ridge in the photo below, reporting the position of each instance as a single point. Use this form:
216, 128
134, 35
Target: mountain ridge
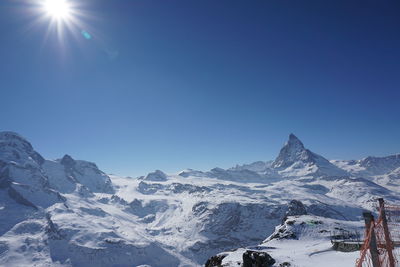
75, 211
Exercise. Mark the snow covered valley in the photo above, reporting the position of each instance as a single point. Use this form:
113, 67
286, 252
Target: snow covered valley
67, 212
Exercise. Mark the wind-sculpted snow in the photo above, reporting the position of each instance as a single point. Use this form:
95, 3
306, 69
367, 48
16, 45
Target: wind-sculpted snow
67, 212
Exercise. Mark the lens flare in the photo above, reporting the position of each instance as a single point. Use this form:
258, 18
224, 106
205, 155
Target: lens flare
87, 35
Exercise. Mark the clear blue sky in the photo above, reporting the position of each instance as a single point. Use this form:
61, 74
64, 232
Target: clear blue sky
198, 84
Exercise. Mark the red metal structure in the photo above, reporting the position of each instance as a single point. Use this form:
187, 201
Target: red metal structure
378, 247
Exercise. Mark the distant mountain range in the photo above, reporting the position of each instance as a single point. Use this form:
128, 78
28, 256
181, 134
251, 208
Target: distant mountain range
67, 212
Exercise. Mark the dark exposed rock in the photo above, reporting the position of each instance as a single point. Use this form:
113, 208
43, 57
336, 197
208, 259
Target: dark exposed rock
324, 210
215, 261
52, 230
38, 158
291, 152
199, 208
16, 145
156, 176
295, 208
191, 189
294, 154
5, 179
117, 199
283, 234
257, 259
19, 198
68, 161
346, 247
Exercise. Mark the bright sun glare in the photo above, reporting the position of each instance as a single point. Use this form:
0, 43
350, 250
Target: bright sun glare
57, 9
64, 17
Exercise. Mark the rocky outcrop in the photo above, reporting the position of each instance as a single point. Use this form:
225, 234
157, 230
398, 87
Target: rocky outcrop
22, 174
257, 259
215, 261
156, 176
68, 175
292, 152
14, 147
295, 207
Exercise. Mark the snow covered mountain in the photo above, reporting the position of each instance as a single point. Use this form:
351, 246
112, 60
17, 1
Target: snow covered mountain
295, 160
67, 212
370, 166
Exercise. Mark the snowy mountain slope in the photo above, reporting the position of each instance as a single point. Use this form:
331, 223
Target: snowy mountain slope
302, 241
370, 166
66, 173
200, 216
294, 160
80, 216
384, 171
389, 180
21, 173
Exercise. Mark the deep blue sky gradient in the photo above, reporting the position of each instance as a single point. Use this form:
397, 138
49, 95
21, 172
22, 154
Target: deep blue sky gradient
198, 84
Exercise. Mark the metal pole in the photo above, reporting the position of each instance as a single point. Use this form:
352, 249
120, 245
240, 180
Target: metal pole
389, 243
373, 248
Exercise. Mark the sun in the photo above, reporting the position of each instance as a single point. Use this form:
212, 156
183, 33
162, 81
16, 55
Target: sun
57, 9
61, 18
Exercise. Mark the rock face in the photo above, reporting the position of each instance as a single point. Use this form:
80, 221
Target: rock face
88, 174
292, 152
294, 160
15, 148
296, 207
215, 261
257, 259
156, 176
33, 183
67, 175
22, 174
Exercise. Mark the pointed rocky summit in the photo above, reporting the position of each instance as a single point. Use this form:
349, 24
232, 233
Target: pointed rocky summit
294, 159
292, 152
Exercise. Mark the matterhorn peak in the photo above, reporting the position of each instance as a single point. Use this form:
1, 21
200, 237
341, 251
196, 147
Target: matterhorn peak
294, 159
292, 151
294, 140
